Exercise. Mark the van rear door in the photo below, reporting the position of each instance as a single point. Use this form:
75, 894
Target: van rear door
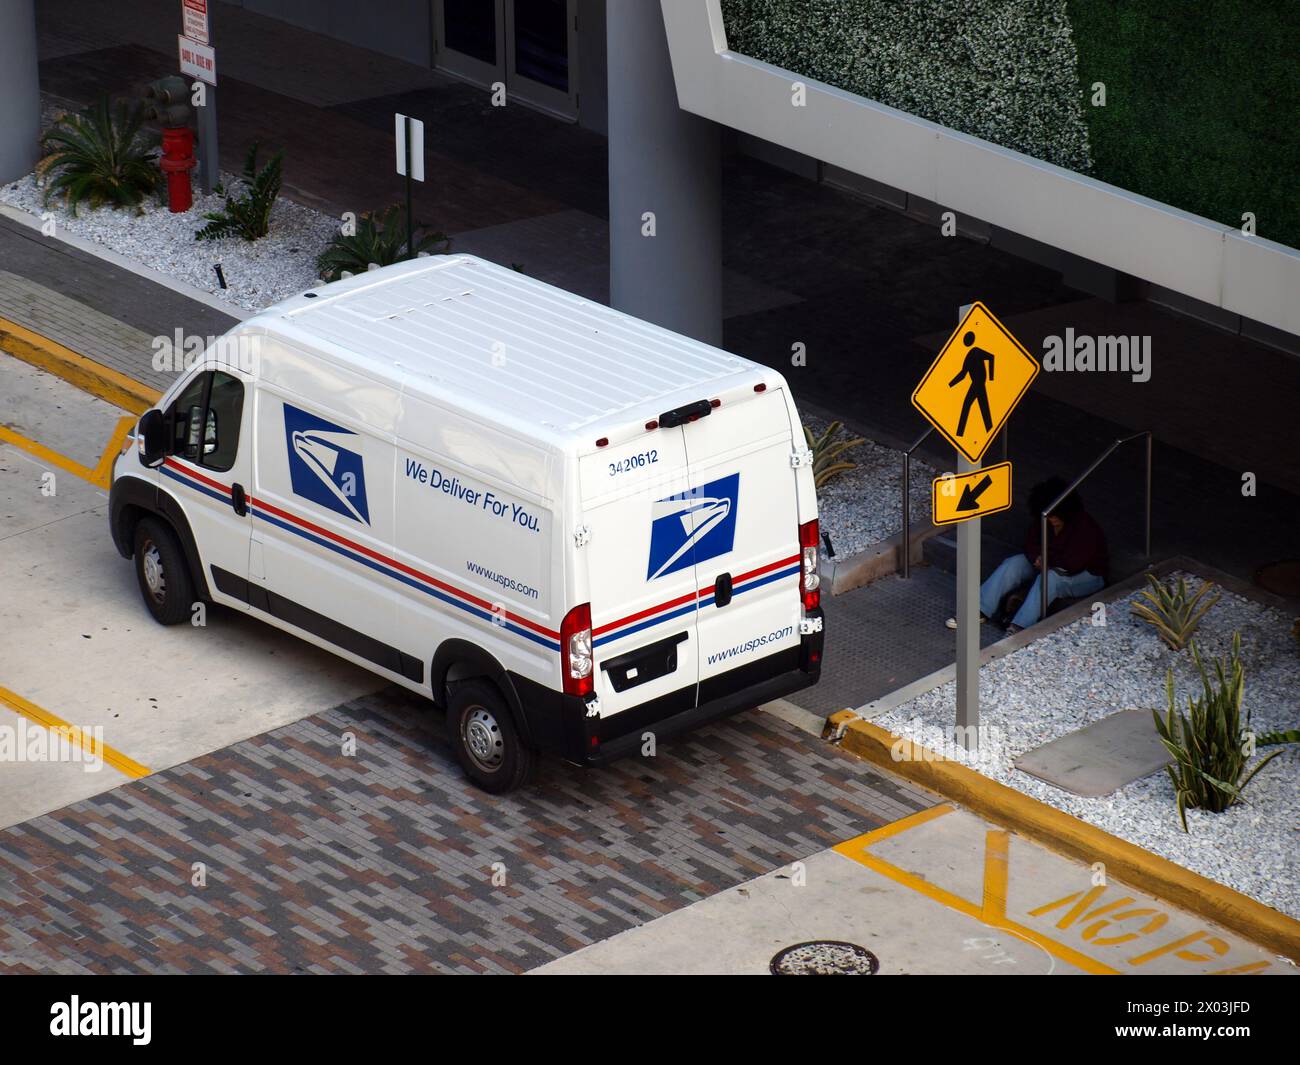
638, 506
748, 574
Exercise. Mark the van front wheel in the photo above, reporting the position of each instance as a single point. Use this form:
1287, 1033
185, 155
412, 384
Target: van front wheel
487, 744
163, 574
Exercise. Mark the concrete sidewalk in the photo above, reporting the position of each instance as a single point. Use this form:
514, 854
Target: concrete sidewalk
940, 892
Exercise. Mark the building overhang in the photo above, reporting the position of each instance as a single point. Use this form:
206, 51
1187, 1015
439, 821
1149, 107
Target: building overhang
1216, 264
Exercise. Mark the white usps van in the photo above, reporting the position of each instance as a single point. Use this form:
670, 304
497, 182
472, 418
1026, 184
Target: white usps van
569, 528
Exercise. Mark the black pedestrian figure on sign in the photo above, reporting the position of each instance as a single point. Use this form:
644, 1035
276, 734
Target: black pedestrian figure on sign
973, 368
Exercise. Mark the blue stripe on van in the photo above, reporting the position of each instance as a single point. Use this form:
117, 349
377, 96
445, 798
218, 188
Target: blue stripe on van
436, 593
767, 578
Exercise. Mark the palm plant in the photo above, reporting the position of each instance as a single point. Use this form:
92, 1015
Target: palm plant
101, 155
827, 453
1209, 743
380, 239
1171, 611
250, 215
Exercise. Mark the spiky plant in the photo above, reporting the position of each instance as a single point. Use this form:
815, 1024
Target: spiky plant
827, 453
249, 216
101, 155
1208, 744
1276, 739
379, 239
1171, 611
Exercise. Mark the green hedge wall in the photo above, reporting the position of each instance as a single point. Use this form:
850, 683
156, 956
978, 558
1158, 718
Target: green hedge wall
1202, 96
1003, 70
1202, 104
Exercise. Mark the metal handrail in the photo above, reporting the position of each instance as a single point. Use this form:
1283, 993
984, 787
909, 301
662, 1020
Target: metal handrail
907, 502
1042, 518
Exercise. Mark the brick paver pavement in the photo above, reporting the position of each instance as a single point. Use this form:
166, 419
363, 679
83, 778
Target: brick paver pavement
383, 861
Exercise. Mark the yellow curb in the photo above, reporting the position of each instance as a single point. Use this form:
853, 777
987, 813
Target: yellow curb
1072, 837
88, 375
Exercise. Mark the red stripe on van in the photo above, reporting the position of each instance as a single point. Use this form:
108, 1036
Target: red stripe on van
699, 594
224, 489
363, 550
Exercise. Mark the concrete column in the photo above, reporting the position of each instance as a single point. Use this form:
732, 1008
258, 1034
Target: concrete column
20, 89
667, 162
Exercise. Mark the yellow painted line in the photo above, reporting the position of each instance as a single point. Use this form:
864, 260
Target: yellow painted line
996, 847
895, 828
100, 476
72, 734
979, 913
1058, 831
90, 376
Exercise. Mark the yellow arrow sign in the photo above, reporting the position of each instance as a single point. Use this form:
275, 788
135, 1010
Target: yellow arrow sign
971, 389
962, 496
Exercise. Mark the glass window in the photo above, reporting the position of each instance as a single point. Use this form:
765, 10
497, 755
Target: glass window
470, 27
205, 420
225, 409
542, 42
186, 416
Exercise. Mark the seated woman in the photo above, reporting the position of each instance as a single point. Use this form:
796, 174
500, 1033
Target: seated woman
1076, 553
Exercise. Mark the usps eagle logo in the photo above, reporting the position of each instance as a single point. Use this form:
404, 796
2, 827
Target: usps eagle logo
693, 526
323, 467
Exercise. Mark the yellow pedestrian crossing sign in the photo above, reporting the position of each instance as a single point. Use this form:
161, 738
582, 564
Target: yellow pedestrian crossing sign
962, 496
973, 386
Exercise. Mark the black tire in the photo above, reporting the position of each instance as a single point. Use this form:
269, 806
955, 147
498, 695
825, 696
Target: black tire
162, 572
483, 735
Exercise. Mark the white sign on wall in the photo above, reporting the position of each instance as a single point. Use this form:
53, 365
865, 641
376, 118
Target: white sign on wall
198, 60
194, 20
417, 146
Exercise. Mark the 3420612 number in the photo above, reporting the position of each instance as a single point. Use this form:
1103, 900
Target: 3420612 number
638, 461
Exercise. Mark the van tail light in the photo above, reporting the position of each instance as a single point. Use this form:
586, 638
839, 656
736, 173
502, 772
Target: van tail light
575, 651
809, 580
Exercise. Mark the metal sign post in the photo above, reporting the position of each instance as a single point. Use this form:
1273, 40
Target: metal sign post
209, 169
968, 615
198, 61
968, 624
968, 393
410, 164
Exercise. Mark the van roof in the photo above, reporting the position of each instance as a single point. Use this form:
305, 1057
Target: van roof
485, 338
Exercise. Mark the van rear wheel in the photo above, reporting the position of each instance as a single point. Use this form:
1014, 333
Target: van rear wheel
163, 574
483, 734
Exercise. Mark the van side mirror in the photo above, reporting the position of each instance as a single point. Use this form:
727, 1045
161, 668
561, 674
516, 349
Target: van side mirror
210, 433
151, 438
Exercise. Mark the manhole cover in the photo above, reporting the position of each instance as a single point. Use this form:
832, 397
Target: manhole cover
1280, 578
825, 957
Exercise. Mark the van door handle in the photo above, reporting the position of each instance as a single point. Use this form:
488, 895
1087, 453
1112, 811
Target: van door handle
238, 500
722, 590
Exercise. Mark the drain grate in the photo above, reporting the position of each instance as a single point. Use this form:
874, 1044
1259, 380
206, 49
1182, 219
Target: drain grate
825, 957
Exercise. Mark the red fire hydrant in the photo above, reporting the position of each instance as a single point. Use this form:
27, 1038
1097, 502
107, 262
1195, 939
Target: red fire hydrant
177, 162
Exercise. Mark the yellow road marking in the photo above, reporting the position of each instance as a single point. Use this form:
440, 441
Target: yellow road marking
978, 913
72, 734
992, 911
996, 846
895, 828
102, 473
99, 380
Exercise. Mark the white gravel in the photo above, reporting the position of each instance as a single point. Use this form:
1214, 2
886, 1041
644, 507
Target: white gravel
258, 273
860, 508
1084, 672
